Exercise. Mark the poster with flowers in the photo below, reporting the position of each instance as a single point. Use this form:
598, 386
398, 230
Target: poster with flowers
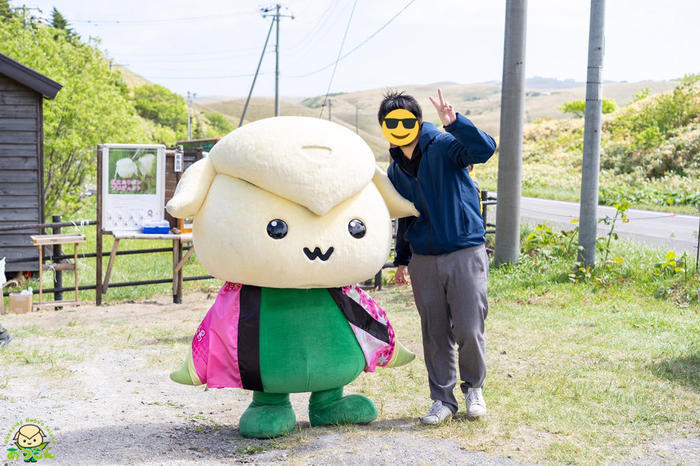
133, 185
132, 171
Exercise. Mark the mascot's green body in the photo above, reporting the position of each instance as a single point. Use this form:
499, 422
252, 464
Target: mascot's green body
288, 320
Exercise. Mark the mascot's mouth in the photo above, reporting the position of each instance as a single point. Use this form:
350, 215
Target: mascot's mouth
316, 253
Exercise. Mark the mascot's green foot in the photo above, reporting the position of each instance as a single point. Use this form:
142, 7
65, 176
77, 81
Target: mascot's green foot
331, 407
187, 374
269, 415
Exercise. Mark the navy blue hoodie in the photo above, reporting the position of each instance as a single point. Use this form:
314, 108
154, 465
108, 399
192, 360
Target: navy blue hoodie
443, 192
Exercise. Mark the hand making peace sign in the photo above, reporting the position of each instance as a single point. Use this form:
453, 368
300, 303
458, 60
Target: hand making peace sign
446, 112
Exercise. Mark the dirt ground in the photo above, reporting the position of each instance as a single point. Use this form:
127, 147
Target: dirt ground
97, 377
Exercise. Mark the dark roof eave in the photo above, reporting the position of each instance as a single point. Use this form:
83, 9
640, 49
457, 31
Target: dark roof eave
28, 77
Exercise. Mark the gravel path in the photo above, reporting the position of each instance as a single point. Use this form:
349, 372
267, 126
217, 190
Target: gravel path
117, 410
117, 405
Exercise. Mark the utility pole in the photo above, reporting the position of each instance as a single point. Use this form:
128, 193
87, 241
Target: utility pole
277, 17
190, 96
588, 214
330, 105
510, 159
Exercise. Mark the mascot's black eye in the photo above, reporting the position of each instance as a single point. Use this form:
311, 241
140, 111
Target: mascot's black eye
356, 228
277, 229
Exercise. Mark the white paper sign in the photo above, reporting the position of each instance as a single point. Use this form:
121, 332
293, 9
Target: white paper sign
133, 185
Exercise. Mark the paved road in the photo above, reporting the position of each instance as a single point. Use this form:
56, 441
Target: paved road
661, 229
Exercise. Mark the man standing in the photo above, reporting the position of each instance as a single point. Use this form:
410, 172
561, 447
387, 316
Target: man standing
444, 247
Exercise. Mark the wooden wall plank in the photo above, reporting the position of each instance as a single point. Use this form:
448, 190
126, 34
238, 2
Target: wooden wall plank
19, 216
18, 137
20, 251
9, 246
17, 97
18, 124
18, 189
18, 176
18, 150
18, 163
18, 111
18, 202
18, 212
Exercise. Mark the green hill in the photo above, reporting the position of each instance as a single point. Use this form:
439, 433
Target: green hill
481, 102
650, 154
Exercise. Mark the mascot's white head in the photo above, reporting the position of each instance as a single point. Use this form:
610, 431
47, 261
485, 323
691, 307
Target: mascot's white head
290, 202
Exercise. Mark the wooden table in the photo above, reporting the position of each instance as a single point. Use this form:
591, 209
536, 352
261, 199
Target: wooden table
48, 240
178, 259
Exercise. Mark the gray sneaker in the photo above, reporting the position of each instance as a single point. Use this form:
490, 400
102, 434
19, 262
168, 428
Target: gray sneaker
476, 406
5, 337
437, 413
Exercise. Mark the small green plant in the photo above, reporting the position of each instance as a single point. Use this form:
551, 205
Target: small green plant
580, 273
578, 107
621, 208
545, 241
672, 264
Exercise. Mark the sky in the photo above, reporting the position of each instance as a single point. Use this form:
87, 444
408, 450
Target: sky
212, 47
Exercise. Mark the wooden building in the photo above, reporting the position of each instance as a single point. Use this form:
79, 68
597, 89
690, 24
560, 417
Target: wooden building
22, 91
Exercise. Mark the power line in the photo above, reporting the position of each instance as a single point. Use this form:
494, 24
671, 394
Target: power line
126, 22
354, 49
212, 54
230, 76
357, 46
201, 59
250, 93
340, 50
324, 24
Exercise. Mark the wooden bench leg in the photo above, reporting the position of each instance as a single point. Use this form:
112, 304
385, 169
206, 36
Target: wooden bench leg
41, 274
75, 270
177, 271
113, 254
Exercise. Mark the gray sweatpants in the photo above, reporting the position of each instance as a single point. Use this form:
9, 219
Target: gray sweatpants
450, 293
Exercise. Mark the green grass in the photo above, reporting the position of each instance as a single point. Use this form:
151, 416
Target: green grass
578, 372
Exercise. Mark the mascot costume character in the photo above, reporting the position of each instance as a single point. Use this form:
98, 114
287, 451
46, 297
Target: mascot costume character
291, 212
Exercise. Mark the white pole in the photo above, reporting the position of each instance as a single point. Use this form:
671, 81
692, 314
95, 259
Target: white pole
510, 158
588, 214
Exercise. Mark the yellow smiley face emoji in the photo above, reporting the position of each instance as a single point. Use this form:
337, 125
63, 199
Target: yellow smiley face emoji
400, 127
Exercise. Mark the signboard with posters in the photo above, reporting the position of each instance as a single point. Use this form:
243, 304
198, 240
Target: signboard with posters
133, 185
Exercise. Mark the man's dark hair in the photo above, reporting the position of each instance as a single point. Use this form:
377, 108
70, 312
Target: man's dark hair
394, 100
